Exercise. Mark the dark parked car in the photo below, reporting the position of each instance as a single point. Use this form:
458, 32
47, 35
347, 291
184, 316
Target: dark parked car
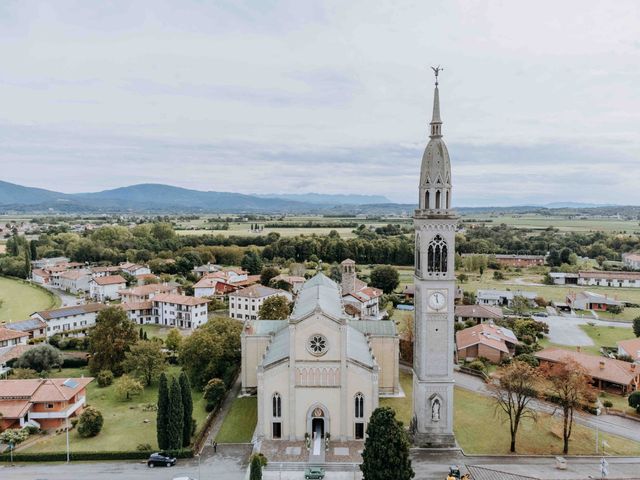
161, 459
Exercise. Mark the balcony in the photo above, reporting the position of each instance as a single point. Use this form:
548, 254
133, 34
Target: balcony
60, 413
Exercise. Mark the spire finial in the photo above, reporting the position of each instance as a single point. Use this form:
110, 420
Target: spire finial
437, 70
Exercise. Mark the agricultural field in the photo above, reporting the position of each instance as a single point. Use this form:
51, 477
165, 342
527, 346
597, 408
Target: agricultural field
543, 437
19, 299
562, 223
126, 423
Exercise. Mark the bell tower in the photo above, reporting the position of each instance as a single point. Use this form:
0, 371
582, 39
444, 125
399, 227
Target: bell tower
433, 353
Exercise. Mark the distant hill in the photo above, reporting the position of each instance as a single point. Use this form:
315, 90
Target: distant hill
327, 199
10, 193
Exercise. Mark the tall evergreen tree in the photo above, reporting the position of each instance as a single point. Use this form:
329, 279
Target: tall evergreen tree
386, 449
162, 419
176, 416
187, 406
33, 248
27, 262
255, 471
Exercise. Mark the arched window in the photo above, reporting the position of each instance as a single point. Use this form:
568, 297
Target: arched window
426, 201
437, 255
359, 404
437, 199
448, 206
277, 405
416, 252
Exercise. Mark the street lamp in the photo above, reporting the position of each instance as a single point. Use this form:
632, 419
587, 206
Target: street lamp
67, 425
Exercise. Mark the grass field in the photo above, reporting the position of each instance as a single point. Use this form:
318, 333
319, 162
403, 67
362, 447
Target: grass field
240, 422
19, 299
601, 336
563, 223
479, 430
126, 424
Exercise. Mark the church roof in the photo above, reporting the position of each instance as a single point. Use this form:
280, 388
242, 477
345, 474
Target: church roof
374, 327
358, 348
278, 349
266, 327
319, 293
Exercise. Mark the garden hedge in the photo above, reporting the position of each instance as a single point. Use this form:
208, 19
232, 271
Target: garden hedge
78, 456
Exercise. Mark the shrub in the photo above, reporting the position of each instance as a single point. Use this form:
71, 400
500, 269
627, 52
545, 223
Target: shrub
74, 362
77, 456
90, 422
214, 392
104, 378
261, 458
528, 358
476, 365
14, 435
634, 400
497, 275
144, 447
607, 403
41, 358
31, 429
23, 373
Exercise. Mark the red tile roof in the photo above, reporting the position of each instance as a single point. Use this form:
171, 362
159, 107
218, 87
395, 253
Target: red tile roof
110, 280
179, 299
486, 334
8, 334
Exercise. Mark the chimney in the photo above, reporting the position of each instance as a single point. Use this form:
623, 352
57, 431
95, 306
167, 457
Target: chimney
633, 367
601, 364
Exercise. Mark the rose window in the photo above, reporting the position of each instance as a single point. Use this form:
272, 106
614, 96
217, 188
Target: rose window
317, 345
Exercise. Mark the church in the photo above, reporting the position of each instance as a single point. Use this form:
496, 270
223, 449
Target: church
321, 372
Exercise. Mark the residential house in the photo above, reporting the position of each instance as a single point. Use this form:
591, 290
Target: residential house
68, 319
631, 260
180, 311
203, 270
46, 403
10, 337
631, 348
106, 287
293, 282
210, 286
146, 279
478, 313
584, 300
33, 327
503, 298
147, 292
409, 291
486, 340
140, 312
49, 262
134, 269
609, 279
104, 271
244, 304
363, 299
74, 281
606, 373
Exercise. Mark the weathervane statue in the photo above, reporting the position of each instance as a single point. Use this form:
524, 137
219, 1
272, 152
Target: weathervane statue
437, 70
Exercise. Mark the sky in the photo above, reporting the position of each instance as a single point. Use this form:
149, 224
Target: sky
540, 99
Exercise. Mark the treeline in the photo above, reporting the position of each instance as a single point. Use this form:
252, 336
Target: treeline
311, 224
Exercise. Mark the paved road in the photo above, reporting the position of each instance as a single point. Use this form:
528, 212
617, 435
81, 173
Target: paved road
66, 300
228, 464
622, 427
567, 331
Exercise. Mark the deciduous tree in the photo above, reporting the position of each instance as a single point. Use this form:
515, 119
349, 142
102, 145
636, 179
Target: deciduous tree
386, 449
516, 387
127, 387
41, 358
110, 340
173, 340
569, 385
275, 308
385, 277
267, 274
145, 360
214, 393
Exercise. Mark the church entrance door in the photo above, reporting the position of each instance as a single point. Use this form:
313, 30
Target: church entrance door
317, 427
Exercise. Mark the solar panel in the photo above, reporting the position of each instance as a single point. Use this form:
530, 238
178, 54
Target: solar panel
64, 312
70, 382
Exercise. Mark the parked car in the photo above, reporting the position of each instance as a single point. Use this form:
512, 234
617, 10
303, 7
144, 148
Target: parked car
540, 314
160, 459
314, 473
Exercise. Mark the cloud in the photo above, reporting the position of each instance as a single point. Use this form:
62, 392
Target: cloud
332, 96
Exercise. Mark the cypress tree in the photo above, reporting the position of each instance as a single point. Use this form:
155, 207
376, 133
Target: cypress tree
176, 416
33, 247
162, 420
386, 449
141, 334
187, 406
255, 472
27, 263
144, 337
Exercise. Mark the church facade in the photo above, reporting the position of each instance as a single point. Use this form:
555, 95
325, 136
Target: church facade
320, 372
435, 287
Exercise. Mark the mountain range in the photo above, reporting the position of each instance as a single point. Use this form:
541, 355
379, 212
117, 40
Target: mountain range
166, 198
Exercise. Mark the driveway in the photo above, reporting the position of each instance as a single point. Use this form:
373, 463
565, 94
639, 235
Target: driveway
66, 300
567, 331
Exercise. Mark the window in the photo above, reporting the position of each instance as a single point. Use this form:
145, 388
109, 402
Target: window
448, 206
426, 200
417, 252
359, 404
277, 430
437, 255
359, 430
49, 405
437, 199
277, 405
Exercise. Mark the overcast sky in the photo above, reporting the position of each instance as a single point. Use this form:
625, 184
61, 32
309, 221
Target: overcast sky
540, 99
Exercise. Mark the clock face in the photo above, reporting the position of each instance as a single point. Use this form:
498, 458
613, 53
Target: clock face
437, 301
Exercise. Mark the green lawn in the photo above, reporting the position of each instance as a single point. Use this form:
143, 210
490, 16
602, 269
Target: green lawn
606, 336
19, 299
475, 416
240, 423
563, 223
125, 425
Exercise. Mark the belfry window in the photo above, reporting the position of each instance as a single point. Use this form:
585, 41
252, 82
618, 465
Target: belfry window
277, 405
447, 205
426, 200
437, 255
359, 404
437, 199
417, 252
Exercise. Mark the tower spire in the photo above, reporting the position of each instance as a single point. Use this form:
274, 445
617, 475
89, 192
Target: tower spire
436, 121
